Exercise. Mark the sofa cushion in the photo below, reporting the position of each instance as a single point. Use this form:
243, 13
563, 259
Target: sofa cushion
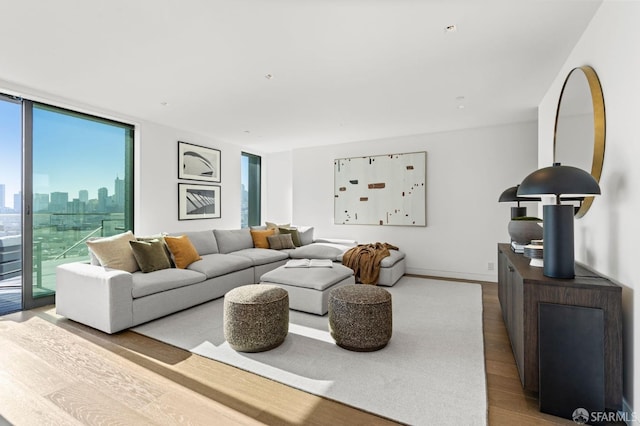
115, 252
184, 253
280, 242
203, 241
315, 278
230, 240
318, 251
262, 256
260, 237
215, 265
166, 279
150, 255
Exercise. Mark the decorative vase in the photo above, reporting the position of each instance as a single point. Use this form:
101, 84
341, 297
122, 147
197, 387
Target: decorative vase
523, 230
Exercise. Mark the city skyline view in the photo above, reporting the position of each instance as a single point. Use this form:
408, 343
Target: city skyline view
70, 154
83, 195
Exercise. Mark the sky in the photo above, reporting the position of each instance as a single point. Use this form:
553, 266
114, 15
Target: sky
10, 149
69, 153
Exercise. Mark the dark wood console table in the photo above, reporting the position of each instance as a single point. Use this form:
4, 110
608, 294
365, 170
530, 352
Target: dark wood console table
521, 288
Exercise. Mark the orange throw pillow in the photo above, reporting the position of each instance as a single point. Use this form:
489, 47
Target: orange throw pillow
259, 237
183, 251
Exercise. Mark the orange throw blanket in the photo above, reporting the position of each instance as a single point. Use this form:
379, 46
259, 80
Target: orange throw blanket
365, 260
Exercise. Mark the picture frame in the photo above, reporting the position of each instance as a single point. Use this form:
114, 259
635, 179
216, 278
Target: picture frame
197, 162
387, 190
197, 201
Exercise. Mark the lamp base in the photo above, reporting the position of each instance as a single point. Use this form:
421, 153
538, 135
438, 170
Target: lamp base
518, 212
558, 254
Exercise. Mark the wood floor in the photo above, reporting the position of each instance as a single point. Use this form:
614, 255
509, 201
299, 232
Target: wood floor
55, 371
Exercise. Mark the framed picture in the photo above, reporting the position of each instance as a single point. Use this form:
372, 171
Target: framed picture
381, 190
198, 162
198, 201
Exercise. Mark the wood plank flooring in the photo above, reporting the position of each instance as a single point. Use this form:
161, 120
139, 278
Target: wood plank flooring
55, 371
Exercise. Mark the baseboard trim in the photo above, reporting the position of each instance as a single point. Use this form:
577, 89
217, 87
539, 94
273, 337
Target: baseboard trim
493, 278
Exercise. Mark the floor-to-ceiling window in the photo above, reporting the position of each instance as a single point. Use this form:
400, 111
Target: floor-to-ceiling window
10, 204
251, 190
77, 182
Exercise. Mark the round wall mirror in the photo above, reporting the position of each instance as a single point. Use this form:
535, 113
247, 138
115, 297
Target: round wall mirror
580, 127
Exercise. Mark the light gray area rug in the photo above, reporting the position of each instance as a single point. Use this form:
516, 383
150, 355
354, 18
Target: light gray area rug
431, 372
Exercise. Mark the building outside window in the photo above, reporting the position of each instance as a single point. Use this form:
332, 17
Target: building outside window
251, 190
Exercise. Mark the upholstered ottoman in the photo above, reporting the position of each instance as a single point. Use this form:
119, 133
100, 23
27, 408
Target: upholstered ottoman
256, 317
309, 288
360, 317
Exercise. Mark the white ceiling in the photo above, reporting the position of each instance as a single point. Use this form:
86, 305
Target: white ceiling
343, 70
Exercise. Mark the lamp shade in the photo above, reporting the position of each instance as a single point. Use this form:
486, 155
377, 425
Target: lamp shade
561, 181
511, 194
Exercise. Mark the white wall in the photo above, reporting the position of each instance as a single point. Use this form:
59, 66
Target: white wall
156, 168
607, 237
156, 196
277, 189
466, 173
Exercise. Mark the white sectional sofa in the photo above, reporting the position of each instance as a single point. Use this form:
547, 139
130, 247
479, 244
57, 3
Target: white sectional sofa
112, 300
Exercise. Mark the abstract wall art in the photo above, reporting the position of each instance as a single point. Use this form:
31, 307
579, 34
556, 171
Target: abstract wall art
381, 190
198, 201
198, 162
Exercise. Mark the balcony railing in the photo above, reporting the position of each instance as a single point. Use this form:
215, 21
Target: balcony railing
57, 239
10, 257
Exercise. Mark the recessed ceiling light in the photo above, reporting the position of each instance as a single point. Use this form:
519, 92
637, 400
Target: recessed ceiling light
247, 131
268, 76
450, 29
460, 106
164, 103
459, 98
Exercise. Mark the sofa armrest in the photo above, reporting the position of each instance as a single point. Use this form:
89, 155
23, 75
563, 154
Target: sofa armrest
349, 243
98, 297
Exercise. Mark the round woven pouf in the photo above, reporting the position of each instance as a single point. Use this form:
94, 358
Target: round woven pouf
256, 317
360, 317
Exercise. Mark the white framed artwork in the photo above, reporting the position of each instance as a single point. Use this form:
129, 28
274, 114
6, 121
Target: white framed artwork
381, 190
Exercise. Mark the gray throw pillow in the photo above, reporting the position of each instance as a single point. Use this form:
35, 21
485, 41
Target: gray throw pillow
280, 242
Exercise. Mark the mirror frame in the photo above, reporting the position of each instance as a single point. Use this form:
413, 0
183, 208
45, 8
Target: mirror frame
599, 128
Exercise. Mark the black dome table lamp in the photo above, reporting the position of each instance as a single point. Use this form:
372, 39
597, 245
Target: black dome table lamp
558, 238
510, 195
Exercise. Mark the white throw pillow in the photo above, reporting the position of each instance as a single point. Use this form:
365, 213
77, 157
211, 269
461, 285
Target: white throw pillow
115, 251
306, 235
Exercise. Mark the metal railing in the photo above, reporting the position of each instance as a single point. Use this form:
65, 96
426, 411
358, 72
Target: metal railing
77, 243
10, 256
55, 238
